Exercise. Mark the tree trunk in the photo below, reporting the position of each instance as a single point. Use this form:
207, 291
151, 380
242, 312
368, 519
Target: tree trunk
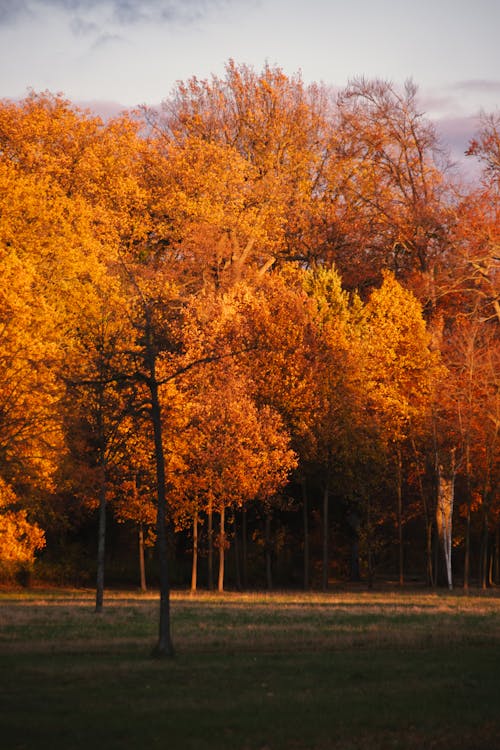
237, 566
210, 540
194, 563
399, 476
325, 538
164, 647
497, 554
467, 524
369, 542
305, 516
222, 549
467, 549
244, 548
101, 536
484, 547
446, 491
268, 550
430, 568
142, 566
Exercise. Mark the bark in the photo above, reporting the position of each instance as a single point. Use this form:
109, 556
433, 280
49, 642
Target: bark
210, 561
467, 548
142, 566
484, 548
101, 537
445, 504
325, 537
164, 647
244, 548
467, 523
268, 550
430, 568
222, 549
369, 541
237, 566
305, 515
400, 516
194, 565
497, 554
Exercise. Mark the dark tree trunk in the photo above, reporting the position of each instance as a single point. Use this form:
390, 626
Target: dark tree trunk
142, 566
468, 519
497, 554
164, 647
237, 566
101, 537
222, 549
399, 476
467, 549
210, 541
244, 549
268, 549
484, 550
325, 538
305, 516
430, 568
194, 564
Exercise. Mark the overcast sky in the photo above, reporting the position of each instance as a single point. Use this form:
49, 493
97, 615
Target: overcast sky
121, 53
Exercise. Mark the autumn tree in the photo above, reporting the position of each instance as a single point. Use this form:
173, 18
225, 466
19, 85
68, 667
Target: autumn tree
401, 373
273, 129
388, 194
20, 539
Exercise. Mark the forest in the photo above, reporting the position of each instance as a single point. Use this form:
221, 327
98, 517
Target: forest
248, 339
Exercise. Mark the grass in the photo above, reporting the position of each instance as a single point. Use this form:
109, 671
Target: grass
338, 671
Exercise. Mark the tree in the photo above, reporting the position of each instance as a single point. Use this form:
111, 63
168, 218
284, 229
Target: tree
388, 195
276, 129
19, 538
401, 373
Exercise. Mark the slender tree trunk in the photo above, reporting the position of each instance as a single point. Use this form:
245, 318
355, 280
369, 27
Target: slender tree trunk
164, 647
490, 568
305, 516
244, 548
484, 547
222, 549
194, 562
210, 530
237, 566
428, 524
268, 550
446, 492
497, 554
400, 515
101, 536
467, 549
325, 537
467, 523
369, 542
142, 566
430, 568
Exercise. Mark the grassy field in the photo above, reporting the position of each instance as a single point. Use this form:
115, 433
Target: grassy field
252, 672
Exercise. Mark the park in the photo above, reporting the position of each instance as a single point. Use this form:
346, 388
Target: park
349, 668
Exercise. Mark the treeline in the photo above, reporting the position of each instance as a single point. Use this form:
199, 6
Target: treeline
257, 325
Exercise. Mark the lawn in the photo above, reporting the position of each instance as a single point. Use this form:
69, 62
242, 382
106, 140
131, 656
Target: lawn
338, 671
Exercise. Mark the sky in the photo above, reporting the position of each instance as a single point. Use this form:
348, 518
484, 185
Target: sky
115, 54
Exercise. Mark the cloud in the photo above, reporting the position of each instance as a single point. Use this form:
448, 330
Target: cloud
119, 12
455, 134
479, 85
11, 10
105, 39
81, 27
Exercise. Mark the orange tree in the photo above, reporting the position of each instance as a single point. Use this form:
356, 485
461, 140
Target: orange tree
401, 373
